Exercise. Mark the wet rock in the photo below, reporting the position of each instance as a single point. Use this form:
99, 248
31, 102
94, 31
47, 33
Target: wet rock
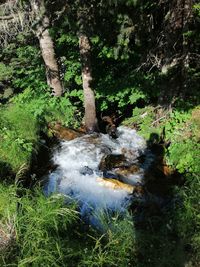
110, 126
111, 161
86, 171
160, 179
64, 133
109, 174
126, 171
92, 139
129, 153
115, 184
129, 174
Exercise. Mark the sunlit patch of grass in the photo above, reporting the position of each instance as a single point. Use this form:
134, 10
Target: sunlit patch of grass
39, 225
19, 135
115, 246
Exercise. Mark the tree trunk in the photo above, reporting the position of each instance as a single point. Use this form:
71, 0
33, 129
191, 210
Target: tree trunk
91, 124
47, 49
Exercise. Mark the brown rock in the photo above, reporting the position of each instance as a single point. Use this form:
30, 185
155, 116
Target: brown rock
125, 171
117, 185
111, 161
64, 133
128, 153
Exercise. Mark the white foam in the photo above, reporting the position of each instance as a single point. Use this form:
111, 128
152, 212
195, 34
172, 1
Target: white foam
88, 151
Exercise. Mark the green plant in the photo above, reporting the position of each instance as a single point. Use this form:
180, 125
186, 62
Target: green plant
183, 152
8, 213
187, 216
19, 134
41, 223
143, 120
116, 247
6, 72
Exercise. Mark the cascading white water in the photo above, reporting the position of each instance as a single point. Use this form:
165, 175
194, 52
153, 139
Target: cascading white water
77, 172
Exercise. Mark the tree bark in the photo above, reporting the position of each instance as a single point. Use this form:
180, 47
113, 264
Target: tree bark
47, 48
91, 124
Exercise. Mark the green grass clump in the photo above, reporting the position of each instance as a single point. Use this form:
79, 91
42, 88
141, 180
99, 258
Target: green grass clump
8, 213
19, 133
40, 226
48, 232
183, 130
116, 246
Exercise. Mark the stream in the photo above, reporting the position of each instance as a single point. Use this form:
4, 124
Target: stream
100, 172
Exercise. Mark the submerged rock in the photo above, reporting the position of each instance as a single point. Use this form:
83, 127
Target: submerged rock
86, 171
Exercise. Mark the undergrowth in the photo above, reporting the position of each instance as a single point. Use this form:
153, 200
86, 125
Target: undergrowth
22, 121
49, 231
179, 128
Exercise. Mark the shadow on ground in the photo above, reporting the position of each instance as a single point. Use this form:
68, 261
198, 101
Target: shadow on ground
157, 239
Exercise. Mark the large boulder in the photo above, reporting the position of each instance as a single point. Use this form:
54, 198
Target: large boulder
117, 185
64, 133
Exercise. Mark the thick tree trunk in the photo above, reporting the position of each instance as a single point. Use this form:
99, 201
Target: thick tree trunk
89, 98
83, 15
47, 49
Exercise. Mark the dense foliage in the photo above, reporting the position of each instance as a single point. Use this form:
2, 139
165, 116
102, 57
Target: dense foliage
146, 72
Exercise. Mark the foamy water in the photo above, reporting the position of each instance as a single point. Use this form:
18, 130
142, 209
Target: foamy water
77, 172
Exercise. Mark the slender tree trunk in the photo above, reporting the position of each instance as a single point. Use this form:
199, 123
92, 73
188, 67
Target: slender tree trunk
89, 97
47, 48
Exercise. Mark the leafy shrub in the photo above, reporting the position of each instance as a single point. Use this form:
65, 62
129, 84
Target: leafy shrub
143, 120
19, 135
6, 72
183, 153
46, 108
26, 70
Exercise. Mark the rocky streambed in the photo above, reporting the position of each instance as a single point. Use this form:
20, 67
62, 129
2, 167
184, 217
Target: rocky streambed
100, 172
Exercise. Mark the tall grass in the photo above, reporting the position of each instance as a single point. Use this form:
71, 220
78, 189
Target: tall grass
49, 232
8, 208
39, 225
116, 246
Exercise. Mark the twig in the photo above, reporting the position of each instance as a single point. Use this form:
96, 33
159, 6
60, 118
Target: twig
158, 119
